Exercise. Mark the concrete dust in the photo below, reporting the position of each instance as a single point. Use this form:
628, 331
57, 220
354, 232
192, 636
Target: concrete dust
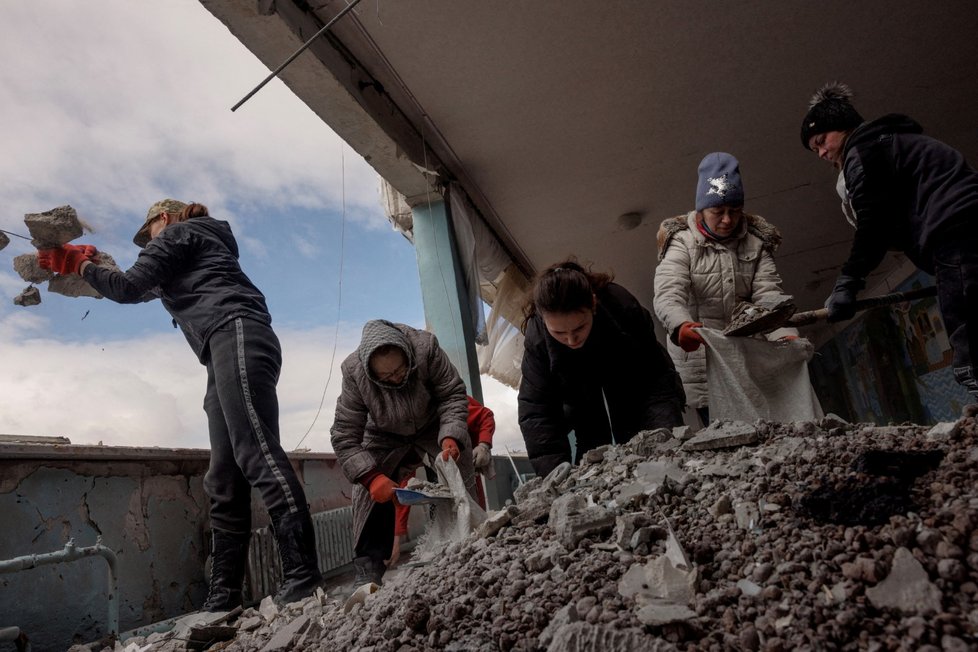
690, 561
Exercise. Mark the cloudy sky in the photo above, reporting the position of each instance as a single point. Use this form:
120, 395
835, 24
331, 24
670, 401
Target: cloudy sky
110, 106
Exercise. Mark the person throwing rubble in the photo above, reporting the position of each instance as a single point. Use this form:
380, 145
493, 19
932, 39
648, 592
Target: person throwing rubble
710, 259
592, 365
402, 400
910, 193
481, 424
190, 261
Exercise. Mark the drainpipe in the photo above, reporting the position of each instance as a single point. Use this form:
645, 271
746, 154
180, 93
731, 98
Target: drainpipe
71, 553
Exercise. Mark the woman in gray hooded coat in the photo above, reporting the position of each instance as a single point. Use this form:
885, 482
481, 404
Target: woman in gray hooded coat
402, 399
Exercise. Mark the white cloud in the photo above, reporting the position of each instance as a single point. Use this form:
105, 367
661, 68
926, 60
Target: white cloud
117, 104
150, 391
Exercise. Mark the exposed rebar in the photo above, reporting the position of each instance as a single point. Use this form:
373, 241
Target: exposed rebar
302, 49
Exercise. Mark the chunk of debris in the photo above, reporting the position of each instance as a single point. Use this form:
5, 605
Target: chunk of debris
722, 434
53, 228
31, 296
27, 268
284, 637
944, 431
572, 519
4, 240
907, 587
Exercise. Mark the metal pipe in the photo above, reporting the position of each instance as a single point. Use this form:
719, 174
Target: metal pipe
71, 553
519, 478
295, 54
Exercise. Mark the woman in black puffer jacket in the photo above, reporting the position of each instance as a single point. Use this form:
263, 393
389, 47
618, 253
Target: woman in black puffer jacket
591, 365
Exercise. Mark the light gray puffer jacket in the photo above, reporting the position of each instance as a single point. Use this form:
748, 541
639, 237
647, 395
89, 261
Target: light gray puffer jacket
701, 280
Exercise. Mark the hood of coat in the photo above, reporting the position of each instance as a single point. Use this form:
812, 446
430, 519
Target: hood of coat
378, 333
217, 228
753, 224
894, 123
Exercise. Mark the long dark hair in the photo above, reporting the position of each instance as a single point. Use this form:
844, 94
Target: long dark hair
566, 286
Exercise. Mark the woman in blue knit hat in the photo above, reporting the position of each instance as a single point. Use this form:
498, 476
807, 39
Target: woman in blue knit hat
710, 259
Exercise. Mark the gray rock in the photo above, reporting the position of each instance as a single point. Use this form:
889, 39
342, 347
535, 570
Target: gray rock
585, 637
31, 296
284, 637
53, 228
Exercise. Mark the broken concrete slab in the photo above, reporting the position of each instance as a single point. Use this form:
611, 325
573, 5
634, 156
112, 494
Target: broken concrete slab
722, 434
656, 471
572, 519
907, 588
283, 638
31, 296
53, 228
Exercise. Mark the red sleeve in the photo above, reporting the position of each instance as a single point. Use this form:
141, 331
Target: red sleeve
481, 423
401, 514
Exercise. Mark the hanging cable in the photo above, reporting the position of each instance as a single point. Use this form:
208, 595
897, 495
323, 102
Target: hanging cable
339, 296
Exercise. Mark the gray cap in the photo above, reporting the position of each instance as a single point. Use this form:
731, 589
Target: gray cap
172, 206
719, 182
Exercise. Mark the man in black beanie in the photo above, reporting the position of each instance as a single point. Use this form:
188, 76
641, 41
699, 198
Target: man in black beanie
910, 193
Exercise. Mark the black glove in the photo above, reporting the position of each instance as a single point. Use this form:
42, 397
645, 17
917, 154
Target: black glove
841, 304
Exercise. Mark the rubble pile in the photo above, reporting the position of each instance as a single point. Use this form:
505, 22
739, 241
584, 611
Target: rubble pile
766, 536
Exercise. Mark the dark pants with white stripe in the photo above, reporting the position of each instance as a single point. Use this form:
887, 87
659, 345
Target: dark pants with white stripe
242, 417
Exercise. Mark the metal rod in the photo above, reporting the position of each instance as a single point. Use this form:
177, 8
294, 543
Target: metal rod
519, 478
71, 553
295, 54
17, 234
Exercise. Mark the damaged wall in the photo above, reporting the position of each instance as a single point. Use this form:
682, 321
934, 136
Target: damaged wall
149, 507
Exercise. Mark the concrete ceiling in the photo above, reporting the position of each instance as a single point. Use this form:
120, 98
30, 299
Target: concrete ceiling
558, 117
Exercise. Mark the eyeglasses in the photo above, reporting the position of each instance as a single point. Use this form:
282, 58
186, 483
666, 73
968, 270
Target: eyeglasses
389, 376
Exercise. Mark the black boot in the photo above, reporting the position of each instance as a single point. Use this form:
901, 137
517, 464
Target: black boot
368, 570
297, 549
229, 557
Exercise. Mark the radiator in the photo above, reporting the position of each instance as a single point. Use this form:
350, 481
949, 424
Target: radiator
334, 549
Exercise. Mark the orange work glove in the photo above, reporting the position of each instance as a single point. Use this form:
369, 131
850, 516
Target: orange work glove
382, 489
66, 259
689, 339
449, 448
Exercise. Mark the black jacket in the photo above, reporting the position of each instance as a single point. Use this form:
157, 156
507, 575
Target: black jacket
564, 389
909, 192
193, 268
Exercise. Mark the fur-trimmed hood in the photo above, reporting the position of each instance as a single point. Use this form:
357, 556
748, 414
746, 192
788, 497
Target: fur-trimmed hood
753, 224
